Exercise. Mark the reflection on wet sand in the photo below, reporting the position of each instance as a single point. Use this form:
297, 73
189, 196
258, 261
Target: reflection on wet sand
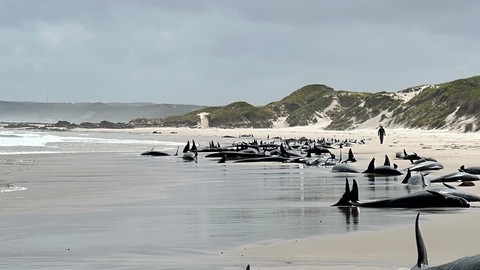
352, 215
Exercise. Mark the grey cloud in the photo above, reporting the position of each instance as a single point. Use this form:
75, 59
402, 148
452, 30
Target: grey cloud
217, 52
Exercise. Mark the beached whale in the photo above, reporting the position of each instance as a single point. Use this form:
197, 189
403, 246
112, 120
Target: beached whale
154, 153
456, 176
190, 153
420, 199
381, 170
417, 179
190, 156
263, 159
422, 160
235, 154
343, 167
471, 169
404, 155
465, 263
447, 189
426, 166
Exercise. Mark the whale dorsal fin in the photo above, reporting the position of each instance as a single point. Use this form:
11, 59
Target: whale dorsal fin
387, 161
248, 267
422, 260
371, 166
194, 146
354, 192
187, 147
409, 174
345, 200
351, 157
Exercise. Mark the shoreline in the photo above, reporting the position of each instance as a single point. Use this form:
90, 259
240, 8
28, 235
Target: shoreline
447, 236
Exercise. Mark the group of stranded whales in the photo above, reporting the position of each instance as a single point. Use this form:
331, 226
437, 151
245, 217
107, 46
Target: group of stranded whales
304, 151
319, 153
465, 263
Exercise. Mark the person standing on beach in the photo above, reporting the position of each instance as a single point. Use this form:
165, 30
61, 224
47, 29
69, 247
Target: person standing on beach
381, 133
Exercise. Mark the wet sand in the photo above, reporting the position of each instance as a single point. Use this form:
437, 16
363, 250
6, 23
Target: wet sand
447, 235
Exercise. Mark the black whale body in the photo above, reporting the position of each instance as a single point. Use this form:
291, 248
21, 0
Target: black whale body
154, 153
420, 199
381, 170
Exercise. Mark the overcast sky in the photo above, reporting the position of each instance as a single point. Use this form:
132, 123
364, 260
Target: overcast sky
216, 52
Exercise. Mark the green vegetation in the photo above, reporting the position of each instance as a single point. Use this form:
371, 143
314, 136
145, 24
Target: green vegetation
239, 114
364, 106
303, 104
428, 109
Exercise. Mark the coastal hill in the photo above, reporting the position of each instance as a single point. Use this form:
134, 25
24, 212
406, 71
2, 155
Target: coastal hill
87, 112
453, 105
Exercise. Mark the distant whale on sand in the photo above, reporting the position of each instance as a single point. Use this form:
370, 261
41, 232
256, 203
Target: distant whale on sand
346, 168
472, 169
154, 153
465, 263
426, 165
415, 179
456, 176
381, 170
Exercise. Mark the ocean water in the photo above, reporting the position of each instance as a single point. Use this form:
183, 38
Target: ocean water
91, 201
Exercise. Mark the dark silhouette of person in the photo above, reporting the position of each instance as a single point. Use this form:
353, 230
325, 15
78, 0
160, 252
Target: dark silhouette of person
381, 133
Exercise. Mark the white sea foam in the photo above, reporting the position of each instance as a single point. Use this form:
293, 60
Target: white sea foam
35, 142
11, 188
9, 138
115, 141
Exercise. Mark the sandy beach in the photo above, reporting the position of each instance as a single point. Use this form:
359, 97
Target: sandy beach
448, 236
